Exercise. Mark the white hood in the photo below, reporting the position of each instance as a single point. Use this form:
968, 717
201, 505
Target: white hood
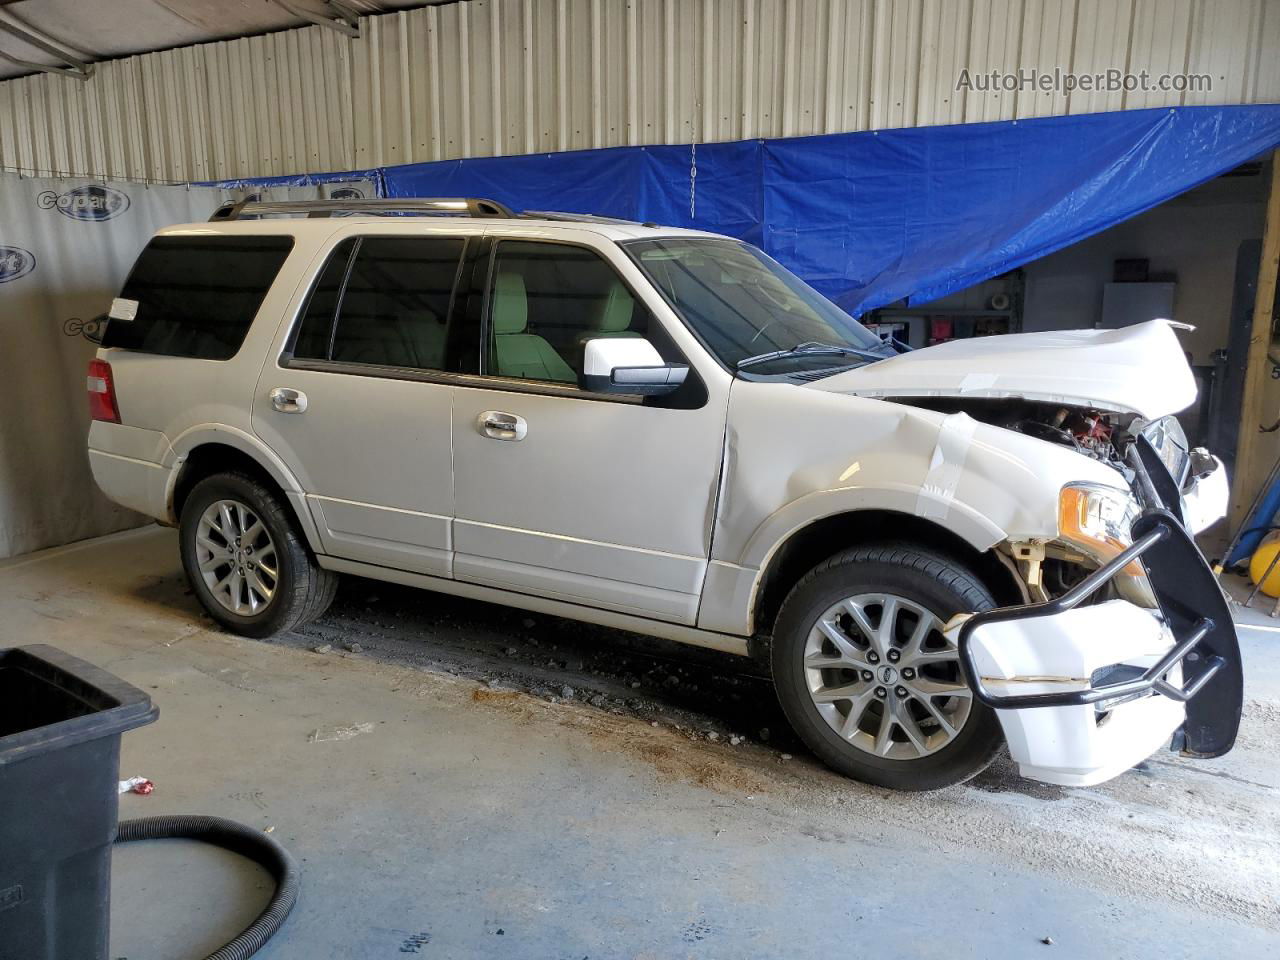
1140, 369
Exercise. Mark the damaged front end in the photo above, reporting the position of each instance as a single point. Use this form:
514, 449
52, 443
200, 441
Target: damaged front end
1107, 436
1126, 642
1158, 467
1086, 690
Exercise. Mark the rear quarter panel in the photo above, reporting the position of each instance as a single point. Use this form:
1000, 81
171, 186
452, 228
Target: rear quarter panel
170, 405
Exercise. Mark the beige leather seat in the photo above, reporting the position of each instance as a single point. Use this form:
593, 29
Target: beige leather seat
518, 353
613, 318
615, 313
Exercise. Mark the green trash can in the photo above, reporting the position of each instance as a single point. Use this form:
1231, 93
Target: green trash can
60, 725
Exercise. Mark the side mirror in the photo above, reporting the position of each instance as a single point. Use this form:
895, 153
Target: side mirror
628, 365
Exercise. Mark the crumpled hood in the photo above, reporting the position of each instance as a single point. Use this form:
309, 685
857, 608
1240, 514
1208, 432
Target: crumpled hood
1140, 369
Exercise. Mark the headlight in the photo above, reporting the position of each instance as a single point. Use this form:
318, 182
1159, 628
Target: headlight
1169, 441
1096, 520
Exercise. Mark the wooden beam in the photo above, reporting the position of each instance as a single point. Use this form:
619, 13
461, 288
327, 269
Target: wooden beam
1249, 472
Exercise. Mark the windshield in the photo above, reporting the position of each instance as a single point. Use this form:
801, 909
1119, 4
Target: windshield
744, 304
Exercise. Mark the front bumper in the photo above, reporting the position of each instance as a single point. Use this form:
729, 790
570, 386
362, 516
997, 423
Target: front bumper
1085, 691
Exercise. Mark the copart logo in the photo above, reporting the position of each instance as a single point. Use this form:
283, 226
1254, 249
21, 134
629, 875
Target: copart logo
93, 201
91, 330
15, 262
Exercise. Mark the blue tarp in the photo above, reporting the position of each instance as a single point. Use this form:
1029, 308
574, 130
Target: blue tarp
872, 218
300, 180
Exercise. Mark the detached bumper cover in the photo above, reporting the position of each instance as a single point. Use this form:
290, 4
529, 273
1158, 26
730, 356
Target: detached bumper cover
1086, 691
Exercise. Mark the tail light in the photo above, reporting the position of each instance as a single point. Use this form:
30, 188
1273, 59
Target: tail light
102, 392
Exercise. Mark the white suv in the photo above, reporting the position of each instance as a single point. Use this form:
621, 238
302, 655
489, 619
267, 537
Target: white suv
939, 551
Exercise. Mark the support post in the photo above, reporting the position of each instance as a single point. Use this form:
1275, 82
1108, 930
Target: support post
69, 65
343, 19
1250, 471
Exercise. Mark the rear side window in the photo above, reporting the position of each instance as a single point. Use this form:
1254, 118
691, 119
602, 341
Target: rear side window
393, 308
197, 296
315, 332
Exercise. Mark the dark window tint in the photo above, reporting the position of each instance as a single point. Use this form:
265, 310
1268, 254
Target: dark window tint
393, 309
197, 296
547, 300
315, 332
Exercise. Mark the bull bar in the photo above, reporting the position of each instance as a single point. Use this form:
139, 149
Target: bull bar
1194, 609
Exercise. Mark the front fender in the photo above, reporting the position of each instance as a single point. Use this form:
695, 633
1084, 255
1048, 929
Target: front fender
732, 589
972, 526
794, 456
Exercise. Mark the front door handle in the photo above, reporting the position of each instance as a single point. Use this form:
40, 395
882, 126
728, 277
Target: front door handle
501, 426
288, 400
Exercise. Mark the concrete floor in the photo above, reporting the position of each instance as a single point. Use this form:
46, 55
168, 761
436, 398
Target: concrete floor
437, 816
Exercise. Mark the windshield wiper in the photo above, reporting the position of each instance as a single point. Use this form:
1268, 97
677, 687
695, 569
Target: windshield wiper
810, 348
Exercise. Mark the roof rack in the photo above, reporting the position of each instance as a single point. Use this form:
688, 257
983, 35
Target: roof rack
448, 206
580, 218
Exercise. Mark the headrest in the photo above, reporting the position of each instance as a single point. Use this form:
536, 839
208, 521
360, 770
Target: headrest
616, 309
510, 304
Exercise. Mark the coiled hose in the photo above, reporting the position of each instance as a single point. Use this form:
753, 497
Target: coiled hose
246, 841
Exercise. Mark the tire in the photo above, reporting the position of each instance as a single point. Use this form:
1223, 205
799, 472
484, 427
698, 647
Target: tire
300, 590
935, 739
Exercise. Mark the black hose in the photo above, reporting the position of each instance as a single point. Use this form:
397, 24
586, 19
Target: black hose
246, 841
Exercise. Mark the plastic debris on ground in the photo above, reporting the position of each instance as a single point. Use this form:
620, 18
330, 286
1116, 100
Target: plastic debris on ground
139, 785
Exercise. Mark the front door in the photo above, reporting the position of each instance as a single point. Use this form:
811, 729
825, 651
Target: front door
605, 501
359, 404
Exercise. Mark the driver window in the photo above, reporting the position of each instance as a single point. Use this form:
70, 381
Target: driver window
546, 300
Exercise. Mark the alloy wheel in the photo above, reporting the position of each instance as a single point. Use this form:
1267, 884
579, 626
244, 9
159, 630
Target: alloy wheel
236, 557
883, 676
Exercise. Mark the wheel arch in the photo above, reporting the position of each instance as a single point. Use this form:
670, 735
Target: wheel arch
822, 538
205, 454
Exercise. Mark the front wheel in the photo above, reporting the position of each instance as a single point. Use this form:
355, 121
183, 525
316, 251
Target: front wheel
246, 559
868, 680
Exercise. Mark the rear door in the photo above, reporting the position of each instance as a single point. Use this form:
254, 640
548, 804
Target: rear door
358, 404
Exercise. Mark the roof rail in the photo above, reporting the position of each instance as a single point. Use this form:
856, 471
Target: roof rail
455, 206
580, 218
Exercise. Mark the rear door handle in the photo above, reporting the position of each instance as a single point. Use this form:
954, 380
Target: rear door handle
288, 400
501, 426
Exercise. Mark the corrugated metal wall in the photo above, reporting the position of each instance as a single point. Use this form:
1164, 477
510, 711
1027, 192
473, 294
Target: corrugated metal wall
521, 76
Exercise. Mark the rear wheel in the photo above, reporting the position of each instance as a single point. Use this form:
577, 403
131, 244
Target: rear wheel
868, 680
246, 559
